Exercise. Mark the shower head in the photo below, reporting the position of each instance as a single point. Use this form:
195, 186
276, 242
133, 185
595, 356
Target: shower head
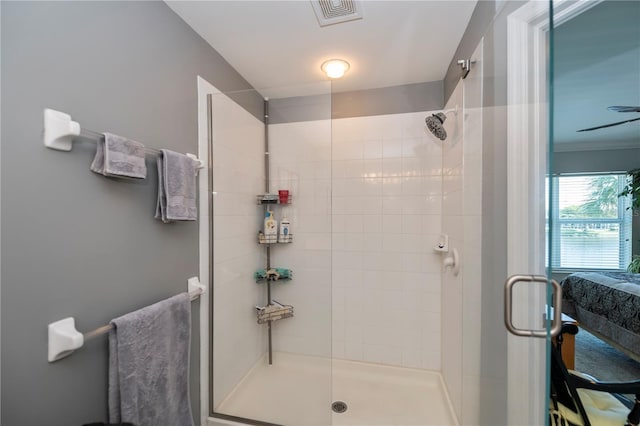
435, 125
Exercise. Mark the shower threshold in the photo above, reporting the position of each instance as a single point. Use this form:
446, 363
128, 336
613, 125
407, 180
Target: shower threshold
301, 390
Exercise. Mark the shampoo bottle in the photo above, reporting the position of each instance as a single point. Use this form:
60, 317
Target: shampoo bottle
270, 227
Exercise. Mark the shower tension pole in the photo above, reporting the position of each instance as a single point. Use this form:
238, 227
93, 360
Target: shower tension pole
266, 187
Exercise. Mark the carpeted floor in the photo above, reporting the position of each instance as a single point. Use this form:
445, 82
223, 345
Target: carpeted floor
598, 359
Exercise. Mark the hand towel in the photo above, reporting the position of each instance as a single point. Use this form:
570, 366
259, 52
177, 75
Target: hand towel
149, 365
176, 187
118, 156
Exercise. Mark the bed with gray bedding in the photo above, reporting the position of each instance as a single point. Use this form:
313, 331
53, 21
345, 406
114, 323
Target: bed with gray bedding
607, 305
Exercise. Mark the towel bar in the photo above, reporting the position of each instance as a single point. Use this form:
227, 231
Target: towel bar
64, 338
60, 130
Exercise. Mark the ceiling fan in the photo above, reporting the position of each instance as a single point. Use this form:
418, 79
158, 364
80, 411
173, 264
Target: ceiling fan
616, 109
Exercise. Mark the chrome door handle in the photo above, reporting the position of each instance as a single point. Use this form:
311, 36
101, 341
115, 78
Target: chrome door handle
557, 306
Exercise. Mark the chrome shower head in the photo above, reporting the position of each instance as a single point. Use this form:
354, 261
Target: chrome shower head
435, 125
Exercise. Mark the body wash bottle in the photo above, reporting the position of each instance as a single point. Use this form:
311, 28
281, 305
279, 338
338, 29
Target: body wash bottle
285, 235
270, 227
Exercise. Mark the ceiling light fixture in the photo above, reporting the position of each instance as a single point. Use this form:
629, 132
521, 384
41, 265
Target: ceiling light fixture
335, 68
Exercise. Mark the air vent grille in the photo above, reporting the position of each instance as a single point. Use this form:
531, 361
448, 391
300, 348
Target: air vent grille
331, 12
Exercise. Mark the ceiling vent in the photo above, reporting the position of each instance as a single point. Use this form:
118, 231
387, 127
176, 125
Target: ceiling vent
331, 12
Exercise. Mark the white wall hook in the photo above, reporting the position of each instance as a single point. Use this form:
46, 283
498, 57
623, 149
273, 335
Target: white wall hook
453, 261
59, 130
63, 339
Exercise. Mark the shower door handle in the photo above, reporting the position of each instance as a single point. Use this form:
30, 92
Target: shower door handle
508, 306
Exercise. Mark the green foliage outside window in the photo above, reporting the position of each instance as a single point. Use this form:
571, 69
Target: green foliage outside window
633, 189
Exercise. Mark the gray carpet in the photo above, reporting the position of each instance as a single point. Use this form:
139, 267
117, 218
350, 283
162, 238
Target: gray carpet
605, 363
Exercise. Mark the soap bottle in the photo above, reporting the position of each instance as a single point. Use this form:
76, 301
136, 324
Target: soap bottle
285, 235
270, 227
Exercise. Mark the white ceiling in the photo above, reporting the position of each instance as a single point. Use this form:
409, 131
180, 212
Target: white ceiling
279, 44
597, 64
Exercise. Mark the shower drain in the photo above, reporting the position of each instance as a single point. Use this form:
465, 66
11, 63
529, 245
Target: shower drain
339, 407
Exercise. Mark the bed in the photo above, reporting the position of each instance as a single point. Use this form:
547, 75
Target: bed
607, 305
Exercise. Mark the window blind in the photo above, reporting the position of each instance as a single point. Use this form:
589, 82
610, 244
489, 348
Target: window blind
591, 225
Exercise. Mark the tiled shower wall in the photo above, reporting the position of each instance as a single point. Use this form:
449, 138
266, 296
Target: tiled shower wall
366, 213
387, 196
301, 162
238, 166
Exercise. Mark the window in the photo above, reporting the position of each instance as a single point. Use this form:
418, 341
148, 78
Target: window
591, 223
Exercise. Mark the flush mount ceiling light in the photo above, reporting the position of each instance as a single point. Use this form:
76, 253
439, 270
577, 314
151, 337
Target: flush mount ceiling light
335, 68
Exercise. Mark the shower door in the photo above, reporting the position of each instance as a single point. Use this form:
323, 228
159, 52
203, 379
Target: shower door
515, 162
586, 56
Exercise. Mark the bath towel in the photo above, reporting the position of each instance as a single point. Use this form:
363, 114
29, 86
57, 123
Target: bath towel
149, 365
118, 156
176, 187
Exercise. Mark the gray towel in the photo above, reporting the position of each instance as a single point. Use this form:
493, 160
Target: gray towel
149, 365
176, 187
118, 156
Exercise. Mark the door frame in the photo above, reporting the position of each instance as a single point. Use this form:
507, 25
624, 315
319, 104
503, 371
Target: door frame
527, 160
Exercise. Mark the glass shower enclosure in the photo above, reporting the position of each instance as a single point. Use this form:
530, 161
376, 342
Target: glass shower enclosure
357, 317
272, 293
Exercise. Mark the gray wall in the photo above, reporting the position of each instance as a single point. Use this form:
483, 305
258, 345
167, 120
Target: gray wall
388, 100
358, 103
611, 160
74, 243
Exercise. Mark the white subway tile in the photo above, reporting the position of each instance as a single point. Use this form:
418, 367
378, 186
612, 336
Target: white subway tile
372, 168
383, 354
353, 242
392, 148
392, 186
392, 243
371, 205
353, 223
372, 241
372, 149
347, 150
412, 224
391, 167
392, 204
412, 167
372, 223
354, 351
372, 187
392, 223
